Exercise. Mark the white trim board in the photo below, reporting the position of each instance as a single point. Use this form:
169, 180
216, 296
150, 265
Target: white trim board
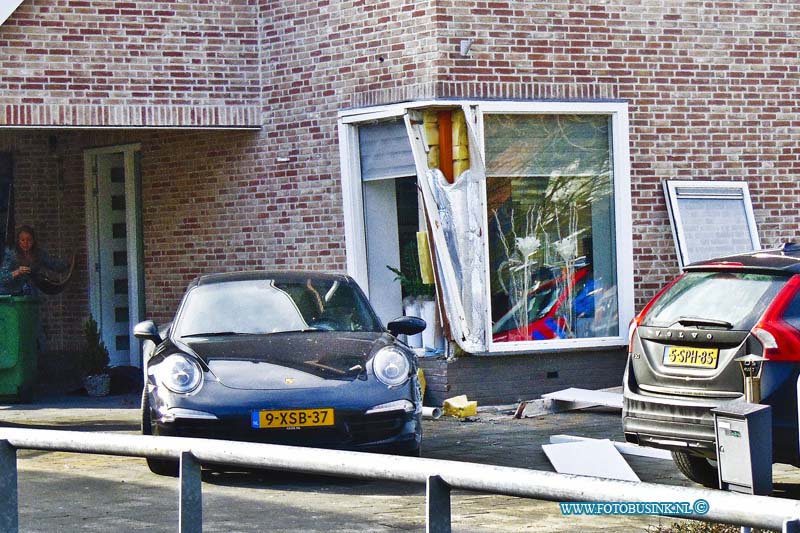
625, 448
569, 400
593, 457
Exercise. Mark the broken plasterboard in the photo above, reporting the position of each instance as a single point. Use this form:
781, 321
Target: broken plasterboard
625, 448
596, 458
569, 399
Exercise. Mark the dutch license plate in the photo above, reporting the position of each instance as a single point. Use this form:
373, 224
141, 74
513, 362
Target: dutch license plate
292, 418
690, 356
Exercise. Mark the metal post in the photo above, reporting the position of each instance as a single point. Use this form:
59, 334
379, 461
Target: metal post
752, 389
9, 508
438, 506
190, 499
752, 366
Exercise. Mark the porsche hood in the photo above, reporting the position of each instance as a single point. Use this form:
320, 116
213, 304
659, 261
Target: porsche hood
281, 359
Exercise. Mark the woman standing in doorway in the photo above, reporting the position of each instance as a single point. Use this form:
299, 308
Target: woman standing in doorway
24, 263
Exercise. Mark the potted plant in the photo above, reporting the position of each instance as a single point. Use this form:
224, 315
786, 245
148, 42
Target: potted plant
409, 274
97, 380
418, 296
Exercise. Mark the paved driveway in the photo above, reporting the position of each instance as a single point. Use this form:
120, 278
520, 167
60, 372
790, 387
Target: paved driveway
68, 492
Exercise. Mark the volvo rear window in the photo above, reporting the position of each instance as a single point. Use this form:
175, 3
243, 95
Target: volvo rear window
728, 300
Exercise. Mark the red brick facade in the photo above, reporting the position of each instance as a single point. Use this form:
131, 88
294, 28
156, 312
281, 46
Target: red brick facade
128, 63
712, 89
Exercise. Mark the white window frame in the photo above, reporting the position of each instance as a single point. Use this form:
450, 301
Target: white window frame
617, 111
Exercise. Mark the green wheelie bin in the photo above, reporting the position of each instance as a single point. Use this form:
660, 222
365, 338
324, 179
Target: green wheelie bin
19, 329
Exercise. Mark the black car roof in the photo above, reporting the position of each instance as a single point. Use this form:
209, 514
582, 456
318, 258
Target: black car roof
785, 258
278, 275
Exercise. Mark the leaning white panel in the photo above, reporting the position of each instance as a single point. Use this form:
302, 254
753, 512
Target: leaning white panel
710, 219
596, 458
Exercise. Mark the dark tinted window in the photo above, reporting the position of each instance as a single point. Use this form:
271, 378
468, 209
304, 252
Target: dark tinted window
734, 297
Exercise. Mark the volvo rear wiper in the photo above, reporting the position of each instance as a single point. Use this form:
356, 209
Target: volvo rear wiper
699, 321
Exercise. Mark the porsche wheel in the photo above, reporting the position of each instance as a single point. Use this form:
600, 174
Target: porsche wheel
162, 467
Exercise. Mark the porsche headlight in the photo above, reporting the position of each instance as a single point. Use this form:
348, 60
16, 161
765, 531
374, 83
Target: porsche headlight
179, 373
391, 366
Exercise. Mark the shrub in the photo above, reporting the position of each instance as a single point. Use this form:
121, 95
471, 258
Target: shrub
95, 355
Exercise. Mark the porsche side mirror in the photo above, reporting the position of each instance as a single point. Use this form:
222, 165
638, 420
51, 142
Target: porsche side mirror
147, 331
406, 325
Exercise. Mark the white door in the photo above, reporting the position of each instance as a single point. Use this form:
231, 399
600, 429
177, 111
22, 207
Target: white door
115, 274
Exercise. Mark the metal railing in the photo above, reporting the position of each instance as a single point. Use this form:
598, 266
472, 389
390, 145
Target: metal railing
439, 476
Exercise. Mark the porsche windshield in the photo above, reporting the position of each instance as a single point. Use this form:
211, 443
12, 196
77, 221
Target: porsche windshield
259, 307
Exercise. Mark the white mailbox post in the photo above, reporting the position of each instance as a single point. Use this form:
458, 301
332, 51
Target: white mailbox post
744, 447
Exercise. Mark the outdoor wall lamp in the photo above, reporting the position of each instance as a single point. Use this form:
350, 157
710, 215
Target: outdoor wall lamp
752, 365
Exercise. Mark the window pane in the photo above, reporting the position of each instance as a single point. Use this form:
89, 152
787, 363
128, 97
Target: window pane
546, 145
707, 295
710, 219
551, 227
714, 227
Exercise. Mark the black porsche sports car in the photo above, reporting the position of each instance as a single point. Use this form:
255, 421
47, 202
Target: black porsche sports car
294, 358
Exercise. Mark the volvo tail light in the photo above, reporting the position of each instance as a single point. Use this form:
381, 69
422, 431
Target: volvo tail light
631, 331
781, 340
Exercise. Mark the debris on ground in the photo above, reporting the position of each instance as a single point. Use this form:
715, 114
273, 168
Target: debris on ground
568, 400
591, 457
460, 406
625, 448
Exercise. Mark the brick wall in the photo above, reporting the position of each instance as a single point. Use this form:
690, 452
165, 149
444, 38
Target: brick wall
118, 63
49, 189
712, 88
320, 58
208, 205
514, 378
711, 85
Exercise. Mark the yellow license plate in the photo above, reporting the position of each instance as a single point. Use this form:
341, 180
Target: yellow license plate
292, 418
690, 356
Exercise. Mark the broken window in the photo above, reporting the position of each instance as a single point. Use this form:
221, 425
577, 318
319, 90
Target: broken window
531, 248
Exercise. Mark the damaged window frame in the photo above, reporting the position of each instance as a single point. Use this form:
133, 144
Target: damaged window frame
471, 332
